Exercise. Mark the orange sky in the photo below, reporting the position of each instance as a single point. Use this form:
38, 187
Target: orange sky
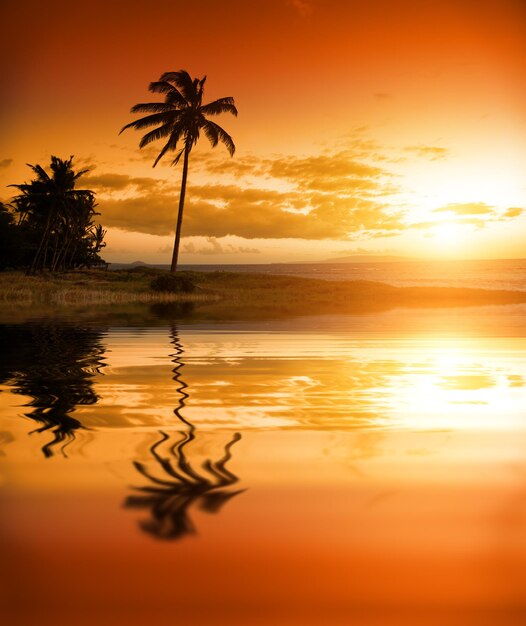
389, 127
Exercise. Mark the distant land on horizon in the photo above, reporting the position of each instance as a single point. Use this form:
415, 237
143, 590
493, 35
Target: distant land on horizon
369, 258
354, 259
346, 259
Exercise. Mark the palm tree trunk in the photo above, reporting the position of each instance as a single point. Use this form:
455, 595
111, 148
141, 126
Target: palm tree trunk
43, 242
180, 213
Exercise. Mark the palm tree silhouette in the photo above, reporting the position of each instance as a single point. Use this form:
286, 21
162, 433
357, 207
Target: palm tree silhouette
180, 119
60, 215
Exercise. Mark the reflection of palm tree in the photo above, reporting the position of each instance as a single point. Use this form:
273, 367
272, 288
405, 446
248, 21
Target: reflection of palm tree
170, 497
54, 365
182, 386
179, 120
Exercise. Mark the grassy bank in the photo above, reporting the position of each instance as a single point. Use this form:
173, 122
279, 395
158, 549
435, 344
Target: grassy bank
259, 292
97, 287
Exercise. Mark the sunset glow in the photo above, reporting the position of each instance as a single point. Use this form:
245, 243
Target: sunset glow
360, 127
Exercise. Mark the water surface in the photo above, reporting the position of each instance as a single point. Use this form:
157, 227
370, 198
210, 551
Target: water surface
322, 470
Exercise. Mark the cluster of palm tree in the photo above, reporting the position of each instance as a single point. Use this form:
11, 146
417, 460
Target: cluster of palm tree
49, 225
55, 221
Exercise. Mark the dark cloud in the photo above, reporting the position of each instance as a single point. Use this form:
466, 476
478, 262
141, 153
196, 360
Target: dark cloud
5, 163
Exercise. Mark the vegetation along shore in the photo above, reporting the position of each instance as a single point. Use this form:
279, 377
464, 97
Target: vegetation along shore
150, 285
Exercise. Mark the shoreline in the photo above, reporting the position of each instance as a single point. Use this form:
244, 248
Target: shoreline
132, 286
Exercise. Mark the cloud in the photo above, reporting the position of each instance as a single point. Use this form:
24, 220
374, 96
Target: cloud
110, 182
326, 196
5, 162
433, 153
302, 171
512, 212
250, 213
382, 96
148, 154
365, 252
244, 166
304, 8
474, 213
214, 247
467, 208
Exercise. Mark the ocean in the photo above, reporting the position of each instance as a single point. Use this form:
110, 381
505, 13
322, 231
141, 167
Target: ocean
509, 274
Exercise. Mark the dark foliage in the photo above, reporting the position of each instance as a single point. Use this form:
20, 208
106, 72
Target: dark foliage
49, 225
11, 240
172, 283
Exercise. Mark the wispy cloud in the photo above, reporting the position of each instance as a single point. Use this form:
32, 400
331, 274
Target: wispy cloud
512, 212
433, 153
304, 8
214, 247
479, 213
467, 208
110, 182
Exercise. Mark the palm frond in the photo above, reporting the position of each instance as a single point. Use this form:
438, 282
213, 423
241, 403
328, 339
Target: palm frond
81, 173
182, 80
175, 136
181, 116
161, 86
222, 105
171, 144
151, 120
156, 133
222, 135
152, 107
211, 133
176, 98
173, 95
39, 171
162, 153
178, 156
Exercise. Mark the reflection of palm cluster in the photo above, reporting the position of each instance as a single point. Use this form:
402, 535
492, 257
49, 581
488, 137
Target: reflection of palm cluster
169, 497
55, 366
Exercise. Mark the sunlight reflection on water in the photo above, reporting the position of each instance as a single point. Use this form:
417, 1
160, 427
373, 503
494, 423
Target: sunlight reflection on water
360, 472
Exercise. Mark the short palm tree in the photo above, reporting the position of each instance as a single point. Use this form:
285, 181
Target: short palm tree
179, 120
59, 213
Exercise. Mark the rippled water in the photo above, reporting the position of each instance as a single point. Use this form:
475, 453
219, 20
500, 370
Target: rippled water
352, 470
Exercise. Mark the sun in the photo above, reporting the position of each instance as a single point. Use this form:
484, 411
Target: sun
448, 236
